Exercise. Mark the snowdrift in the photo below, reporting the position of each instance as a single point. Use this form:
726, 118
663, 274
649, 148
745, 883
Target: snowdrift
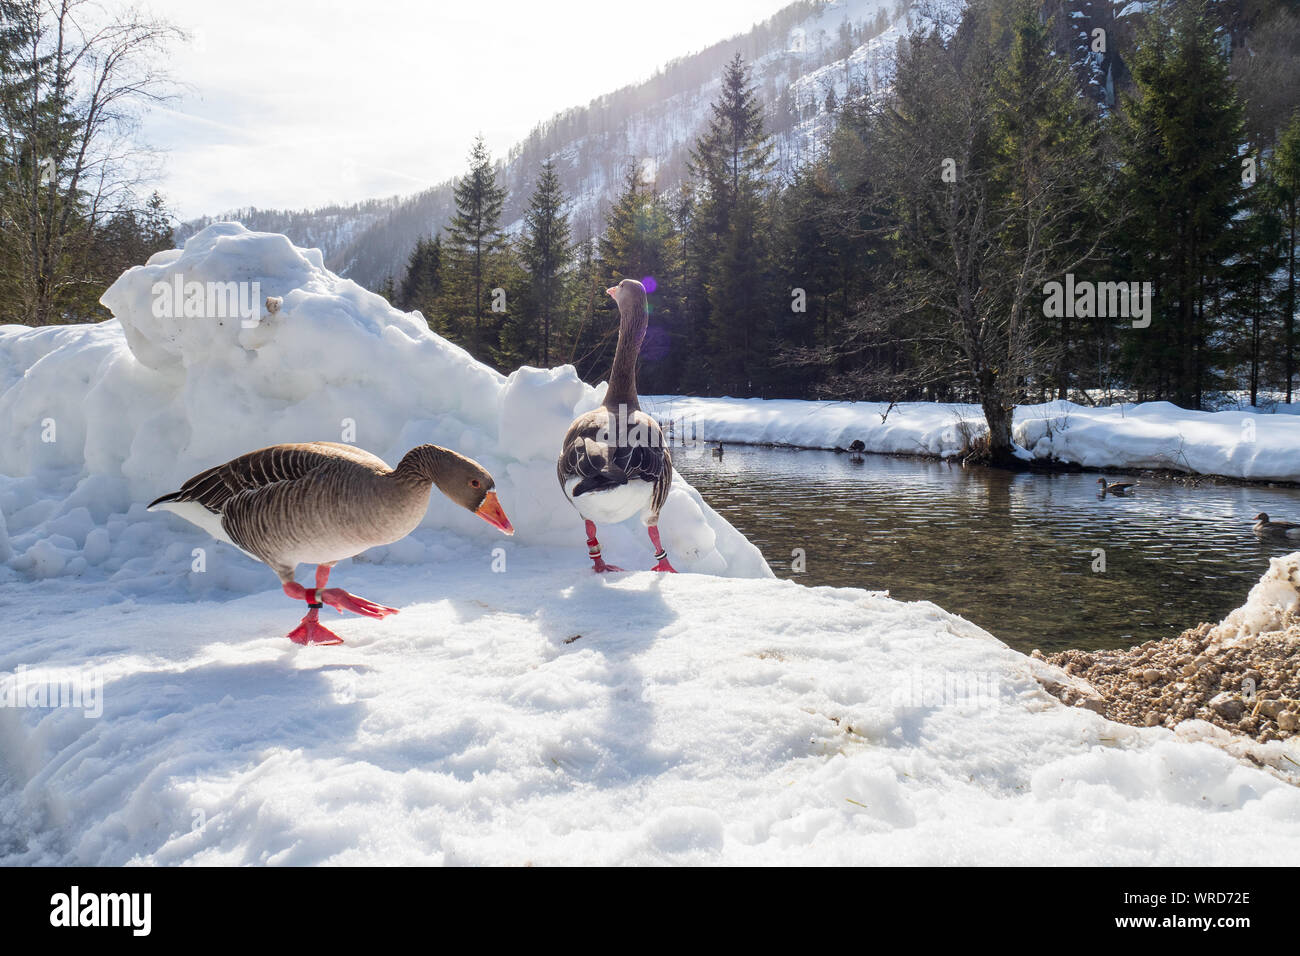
1236, 444
566, 718
100, 419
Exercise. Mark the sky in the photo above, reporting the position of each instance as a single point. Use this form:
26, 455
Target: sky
300, 103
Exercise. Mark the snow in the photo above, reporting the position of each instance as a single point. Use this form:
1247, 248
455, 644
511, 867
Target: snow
520, 709
104, 418
1272, 604
478, 727
1236, 444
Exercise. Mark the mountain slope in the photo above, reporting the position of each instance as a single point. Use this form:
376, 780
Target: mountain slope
797, 56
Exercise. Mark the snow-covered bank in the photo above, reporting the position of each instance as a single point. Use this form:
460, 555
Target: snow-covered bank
100, 419
1158, 435
548, 715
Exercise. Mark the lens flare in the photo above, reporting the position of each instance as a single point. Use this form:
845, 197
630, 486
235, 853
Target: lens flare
649, 283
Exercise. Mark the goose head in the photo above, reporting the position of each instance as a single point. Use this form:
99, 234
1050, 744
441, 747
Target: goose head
461, 479
1262, 518
630, 296
470, 485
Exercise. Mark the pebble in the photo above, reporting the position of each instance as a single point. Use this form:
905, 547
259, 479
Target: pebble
1227, 706
1288, 720
1270, 708
1150, 675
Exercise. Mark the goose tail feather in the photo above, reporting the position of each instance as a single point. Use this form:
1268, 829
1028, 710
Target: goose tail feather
162, 500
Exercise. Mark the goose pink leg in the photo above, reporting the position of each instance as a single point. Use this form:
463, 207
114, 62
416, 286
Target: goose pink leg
593, 550
660, 554
310, 630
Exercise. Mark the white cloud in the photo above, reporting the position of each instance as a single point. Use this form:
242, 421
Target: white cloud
294, 103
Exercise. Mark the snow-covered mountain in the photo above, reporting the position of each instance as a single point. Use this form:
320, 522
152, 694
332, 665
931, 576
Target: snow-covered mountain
809, 53
798, 57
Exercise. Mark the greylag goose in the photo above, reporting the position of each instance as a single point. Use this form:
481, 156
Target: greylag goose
614, 462
1119, 489
717, 452
320, 502
1275, 529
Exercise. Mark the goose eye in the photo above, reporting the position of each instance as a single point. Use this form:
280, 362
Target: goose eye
473, 483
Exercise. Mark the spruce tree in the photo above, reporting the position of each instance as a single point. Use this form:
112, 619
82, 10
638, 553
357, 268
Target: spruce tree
1286, 184
473, 253
422, 284
546, 254
1182, 174
728, 283
1251, 285
640, 242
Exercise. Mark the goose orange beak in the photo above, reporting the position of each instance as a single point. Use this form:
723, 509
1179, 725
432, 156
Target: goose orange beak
611, 290
491, 512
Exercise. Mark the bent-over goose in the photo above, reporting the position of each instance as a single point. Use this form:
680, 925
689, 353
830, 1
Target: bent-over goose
1275, 529
1119, 489
320, 502
614, 462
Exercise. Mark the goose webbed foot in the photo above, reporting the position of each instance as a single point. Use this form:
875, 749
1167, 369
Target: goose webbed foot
311, 631
600, 567
343, 601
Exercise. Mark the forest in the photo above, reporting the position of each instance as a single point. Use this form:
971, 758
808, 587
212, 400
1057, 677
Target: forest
924, 254
75, 207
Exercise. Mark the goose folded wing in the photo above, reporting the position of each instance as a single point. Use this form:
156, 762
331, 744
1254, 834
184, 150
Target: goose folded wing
215, 487
599, 465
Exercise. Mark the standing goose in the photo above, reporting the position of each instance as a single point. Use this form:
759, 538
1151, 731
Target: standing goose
1274, 529
614, 462
320, 502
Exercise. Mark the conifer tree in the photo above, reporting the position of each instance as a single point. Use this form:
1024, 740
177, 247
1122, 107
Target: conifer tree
587, 347
545, 252
422, 284
640, 242
1286, 180
727, 284
473, 254
1182, 129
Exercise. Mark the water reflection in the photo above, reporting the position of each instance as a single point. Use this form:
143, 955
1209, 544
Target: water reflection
1012, 552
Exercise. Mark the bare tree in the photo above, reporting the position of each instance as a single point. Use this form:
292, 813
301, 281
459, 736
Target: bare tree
75, 78
980, 213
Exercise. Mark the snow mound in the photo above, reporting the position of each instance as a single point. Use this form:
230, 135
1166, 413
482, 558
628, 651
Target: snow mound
100, 419
1273, 603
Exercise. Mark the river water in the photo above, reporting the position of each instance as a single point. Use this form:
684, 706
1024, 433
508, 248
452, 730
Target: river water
1037, 559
